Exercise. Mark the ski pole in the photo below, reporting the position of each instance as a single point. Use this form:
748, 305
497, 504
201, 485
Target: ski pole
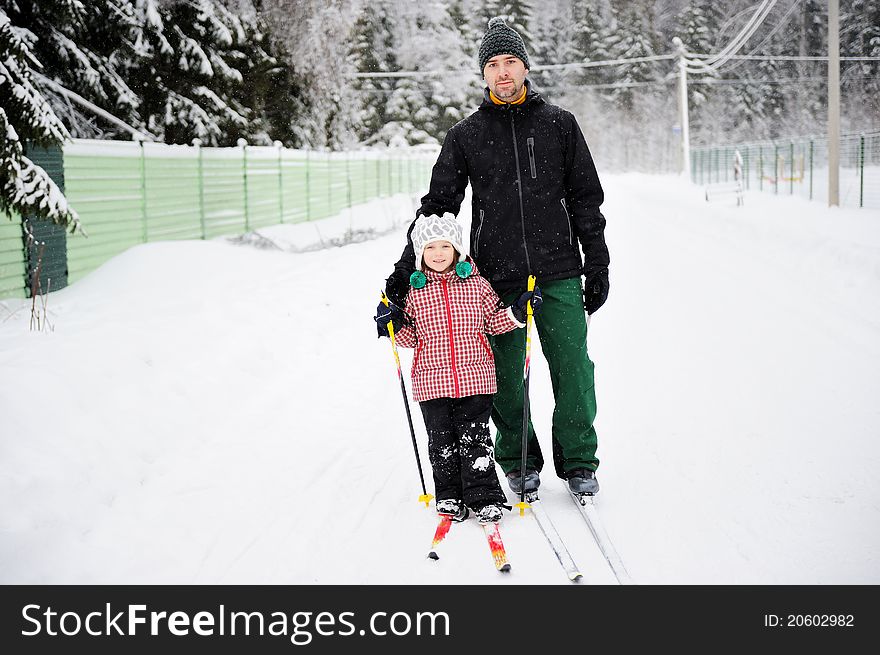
522, 504
425, 497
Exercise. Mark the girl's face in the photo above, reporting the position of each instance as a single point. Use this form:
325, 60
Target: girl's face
439, 256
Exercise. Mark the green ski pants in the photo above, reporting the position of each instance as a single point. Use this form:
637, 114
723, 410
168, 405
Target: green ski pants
562, 330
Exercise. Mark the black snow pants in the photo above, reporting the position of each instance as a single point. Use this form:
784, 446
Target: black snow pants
460, 450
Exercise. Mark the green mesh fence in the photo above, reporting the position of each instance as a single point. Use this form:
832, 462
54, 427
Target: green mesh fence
796, 167
130, 193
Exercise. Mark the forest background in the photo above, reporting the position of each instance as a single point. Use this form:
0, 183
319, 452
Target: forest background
285, 70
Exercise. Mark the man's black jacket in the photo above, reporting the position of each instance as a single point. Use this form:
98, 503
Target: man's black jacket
536, 195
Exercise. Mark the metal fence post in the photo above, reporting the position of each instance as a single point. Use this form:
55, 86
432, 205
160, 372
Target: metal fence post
308, 190
791, 167
201, 173
247, 221
144, 234
278, 145
760, 168
862, 171
348, 176
811, 169
776, 168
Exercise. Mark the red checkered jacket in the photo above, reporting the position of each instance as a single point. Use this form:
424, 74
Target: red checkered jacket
452, 317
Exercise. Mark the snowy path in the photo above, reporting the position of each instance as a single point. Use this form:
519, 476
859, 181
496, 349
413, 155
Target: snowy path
210, 413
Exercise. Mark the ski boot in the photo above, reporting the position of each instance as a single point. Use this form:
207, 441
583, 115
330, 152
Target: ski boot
454, 508
489, 514
532, 481
583, 482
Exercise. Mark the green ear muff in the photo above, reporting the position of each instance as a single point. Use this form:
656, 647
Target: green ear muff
464, 270
417, 280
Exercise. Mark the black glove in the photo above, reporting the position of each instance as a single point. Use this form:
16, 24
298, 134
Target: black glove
387, 313
519, 306
596, 291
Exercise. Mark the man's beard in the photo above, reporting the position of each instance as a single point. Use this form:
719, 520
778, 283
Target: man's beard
512, 91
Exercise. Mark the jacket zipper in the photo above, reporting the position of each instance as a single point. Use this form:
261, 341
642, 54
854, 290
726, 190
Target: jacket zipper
451, 339
568, 218
522, 213
477, 235
530, 142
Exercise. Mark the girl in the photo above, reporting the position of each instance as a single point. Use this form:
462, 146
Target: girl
449, 311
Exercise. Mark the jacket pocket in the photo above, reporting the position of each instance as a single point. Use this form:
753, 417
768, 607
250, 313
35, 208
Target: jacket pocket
475, 246
485, 342
419, 350
530, 142
568, 220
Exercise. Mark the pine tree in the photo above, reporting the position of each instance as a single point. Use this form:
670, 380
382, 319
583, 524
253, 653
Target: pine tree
860, 19
590, 41
698, 27
422, 108
26, 118
373, 52
553, 42
188, 69
79, 44
631, 38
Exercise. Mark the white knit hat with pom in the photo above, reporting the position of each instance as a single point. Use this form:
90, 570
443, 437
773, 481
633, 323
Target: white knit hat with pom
437, 228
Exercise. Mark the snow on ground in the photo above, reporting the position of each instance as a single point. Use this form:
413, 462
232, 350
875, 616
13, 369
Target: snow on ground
222, 412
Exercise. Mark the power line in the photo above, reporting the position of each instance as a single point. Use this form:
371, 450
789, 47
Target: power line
607, 62
658, 83
716, 61
792, 58
536, 69
779, 25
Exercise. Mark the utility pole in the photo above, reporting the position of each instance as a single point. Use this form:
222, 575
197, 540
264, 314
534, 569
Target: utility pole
833, 103
683, 108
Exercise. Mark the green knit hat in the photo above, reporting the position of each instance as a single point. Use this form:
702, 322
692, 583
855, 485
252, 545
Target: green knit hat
500, 39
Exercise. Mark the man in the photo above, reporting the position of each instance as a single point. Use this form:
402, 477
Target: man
536, 197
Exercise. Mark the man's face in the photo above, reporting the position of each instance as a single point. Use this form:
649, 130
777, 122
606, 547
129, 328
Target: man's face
505, 75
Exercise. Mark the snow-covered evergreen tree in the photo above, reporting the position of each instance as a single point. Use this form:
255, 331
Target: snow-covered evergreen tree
553, 42
373, 52
26, 118
631, 38
698, 28
188, 69
318, 36
79, 45
860, 30
590, 41
422, 108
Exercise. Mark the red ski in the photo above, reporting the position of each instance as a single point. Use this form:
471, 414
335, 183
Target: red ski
499, 555
440, 534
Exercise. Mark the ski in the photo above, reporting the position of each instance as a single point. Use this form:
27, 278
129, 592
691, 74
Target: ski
496, 546
440, 534
550, 533
588, 511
